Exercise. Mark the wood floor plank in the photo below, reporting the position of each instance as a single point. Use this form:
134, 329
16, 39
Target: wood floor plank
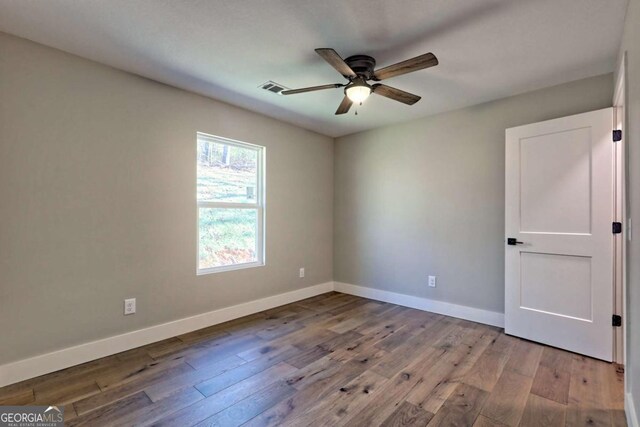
349, 398
329, 303
442, 363
194, 337
135, 373
227, 397
553, 375
342, 341
128, 388
415, 346
378, 323
208, 355
264, 350
328, 368
298, 403
483, 421
614, 379
334, 360
541, 412
462, 408
166, 386
374, 336
449, 369
417, 321
339, 311
111, 413
69, 413
317, 388
525, 358
272, 320
395, 340
407, 415
19, 396
453, 338
232, 376
285, 327
65, 394
149, 414
489, 367
618, 418
393, 393
77, 382
343, 315
508, 398
314, 372
307, 338
362, 357
305, 358
588, 404
349, 324
250, 407
164, 347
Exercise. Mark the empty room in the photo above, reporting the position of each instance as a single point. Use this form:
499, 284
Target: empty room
319, 213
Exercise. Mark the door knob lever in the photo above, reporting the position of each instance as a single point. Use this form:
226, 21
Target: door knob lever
512, 241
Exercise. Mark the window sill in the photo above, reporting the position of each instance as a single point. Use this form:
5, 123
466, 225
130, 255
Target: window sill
205, 271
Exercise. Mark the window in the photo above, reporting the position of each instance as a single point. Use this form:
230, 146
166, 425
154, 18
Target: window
230, 204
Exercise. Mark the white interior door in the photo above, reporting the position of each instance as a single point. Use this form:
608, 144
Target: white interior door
559, 210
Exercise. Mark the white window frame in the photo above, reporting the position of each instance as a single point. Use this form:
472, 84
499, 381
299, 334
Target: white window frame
258, 206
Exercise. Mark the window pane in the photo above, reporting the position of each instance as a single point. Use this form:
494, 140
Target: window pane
226, 173
227, 236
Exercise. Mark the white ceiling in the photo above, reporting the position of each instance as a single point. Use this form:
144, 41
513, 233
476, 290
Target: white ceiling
488, 49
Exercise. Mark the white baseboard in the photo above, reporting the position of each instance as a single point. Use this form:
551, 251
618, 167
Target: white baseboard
39, 365
630, 410
454, 310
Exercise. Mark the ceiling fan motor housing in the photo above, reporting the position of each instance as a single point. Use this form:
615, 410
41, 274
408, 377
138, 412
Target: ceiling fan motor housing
362, 65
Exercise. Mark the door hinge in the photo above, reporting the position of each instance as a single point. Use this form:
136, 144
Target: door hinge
616, 227
617, 135
616, 320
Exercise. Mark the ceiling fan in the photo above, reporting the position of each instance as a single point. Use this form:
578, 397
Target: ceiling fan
359, 69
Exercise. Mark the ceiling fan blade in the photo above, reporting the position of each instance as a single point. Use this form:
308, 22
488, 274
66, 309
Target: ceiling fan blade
332, 57
395, 94
344, 106
410, 65
311, 89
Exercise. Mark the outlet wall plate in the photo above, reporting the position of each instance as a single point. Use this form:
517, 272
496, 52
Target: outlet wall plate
129, 306
432, 281
302, 272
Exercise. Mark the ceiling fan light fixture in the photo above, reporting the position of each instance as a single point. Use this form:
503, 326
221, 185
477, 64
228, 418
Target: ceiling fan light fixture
359, 69
358, 92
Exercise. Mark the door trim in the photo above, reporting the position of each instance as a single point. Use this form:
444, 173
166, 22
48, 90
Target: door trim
620, 213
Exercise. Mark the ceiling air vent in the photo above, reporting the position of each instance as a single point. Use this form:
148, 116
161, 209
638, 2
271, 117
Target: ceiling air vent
273, 87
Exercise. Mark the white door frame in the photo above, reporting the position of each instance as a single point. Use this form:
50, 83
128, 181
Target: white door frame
620, 213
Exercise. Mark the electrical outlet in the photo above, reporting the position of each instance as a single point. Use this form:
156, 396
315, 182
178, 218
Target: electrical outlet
432, 281
129, 306
302, 272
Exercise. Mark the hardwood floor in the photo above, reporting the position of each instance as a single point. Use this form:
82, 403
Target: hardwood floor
333, 360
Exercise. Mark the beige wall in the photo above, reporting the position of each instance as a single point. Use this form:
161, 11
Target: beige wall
631, 45
97, 190
427, 196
